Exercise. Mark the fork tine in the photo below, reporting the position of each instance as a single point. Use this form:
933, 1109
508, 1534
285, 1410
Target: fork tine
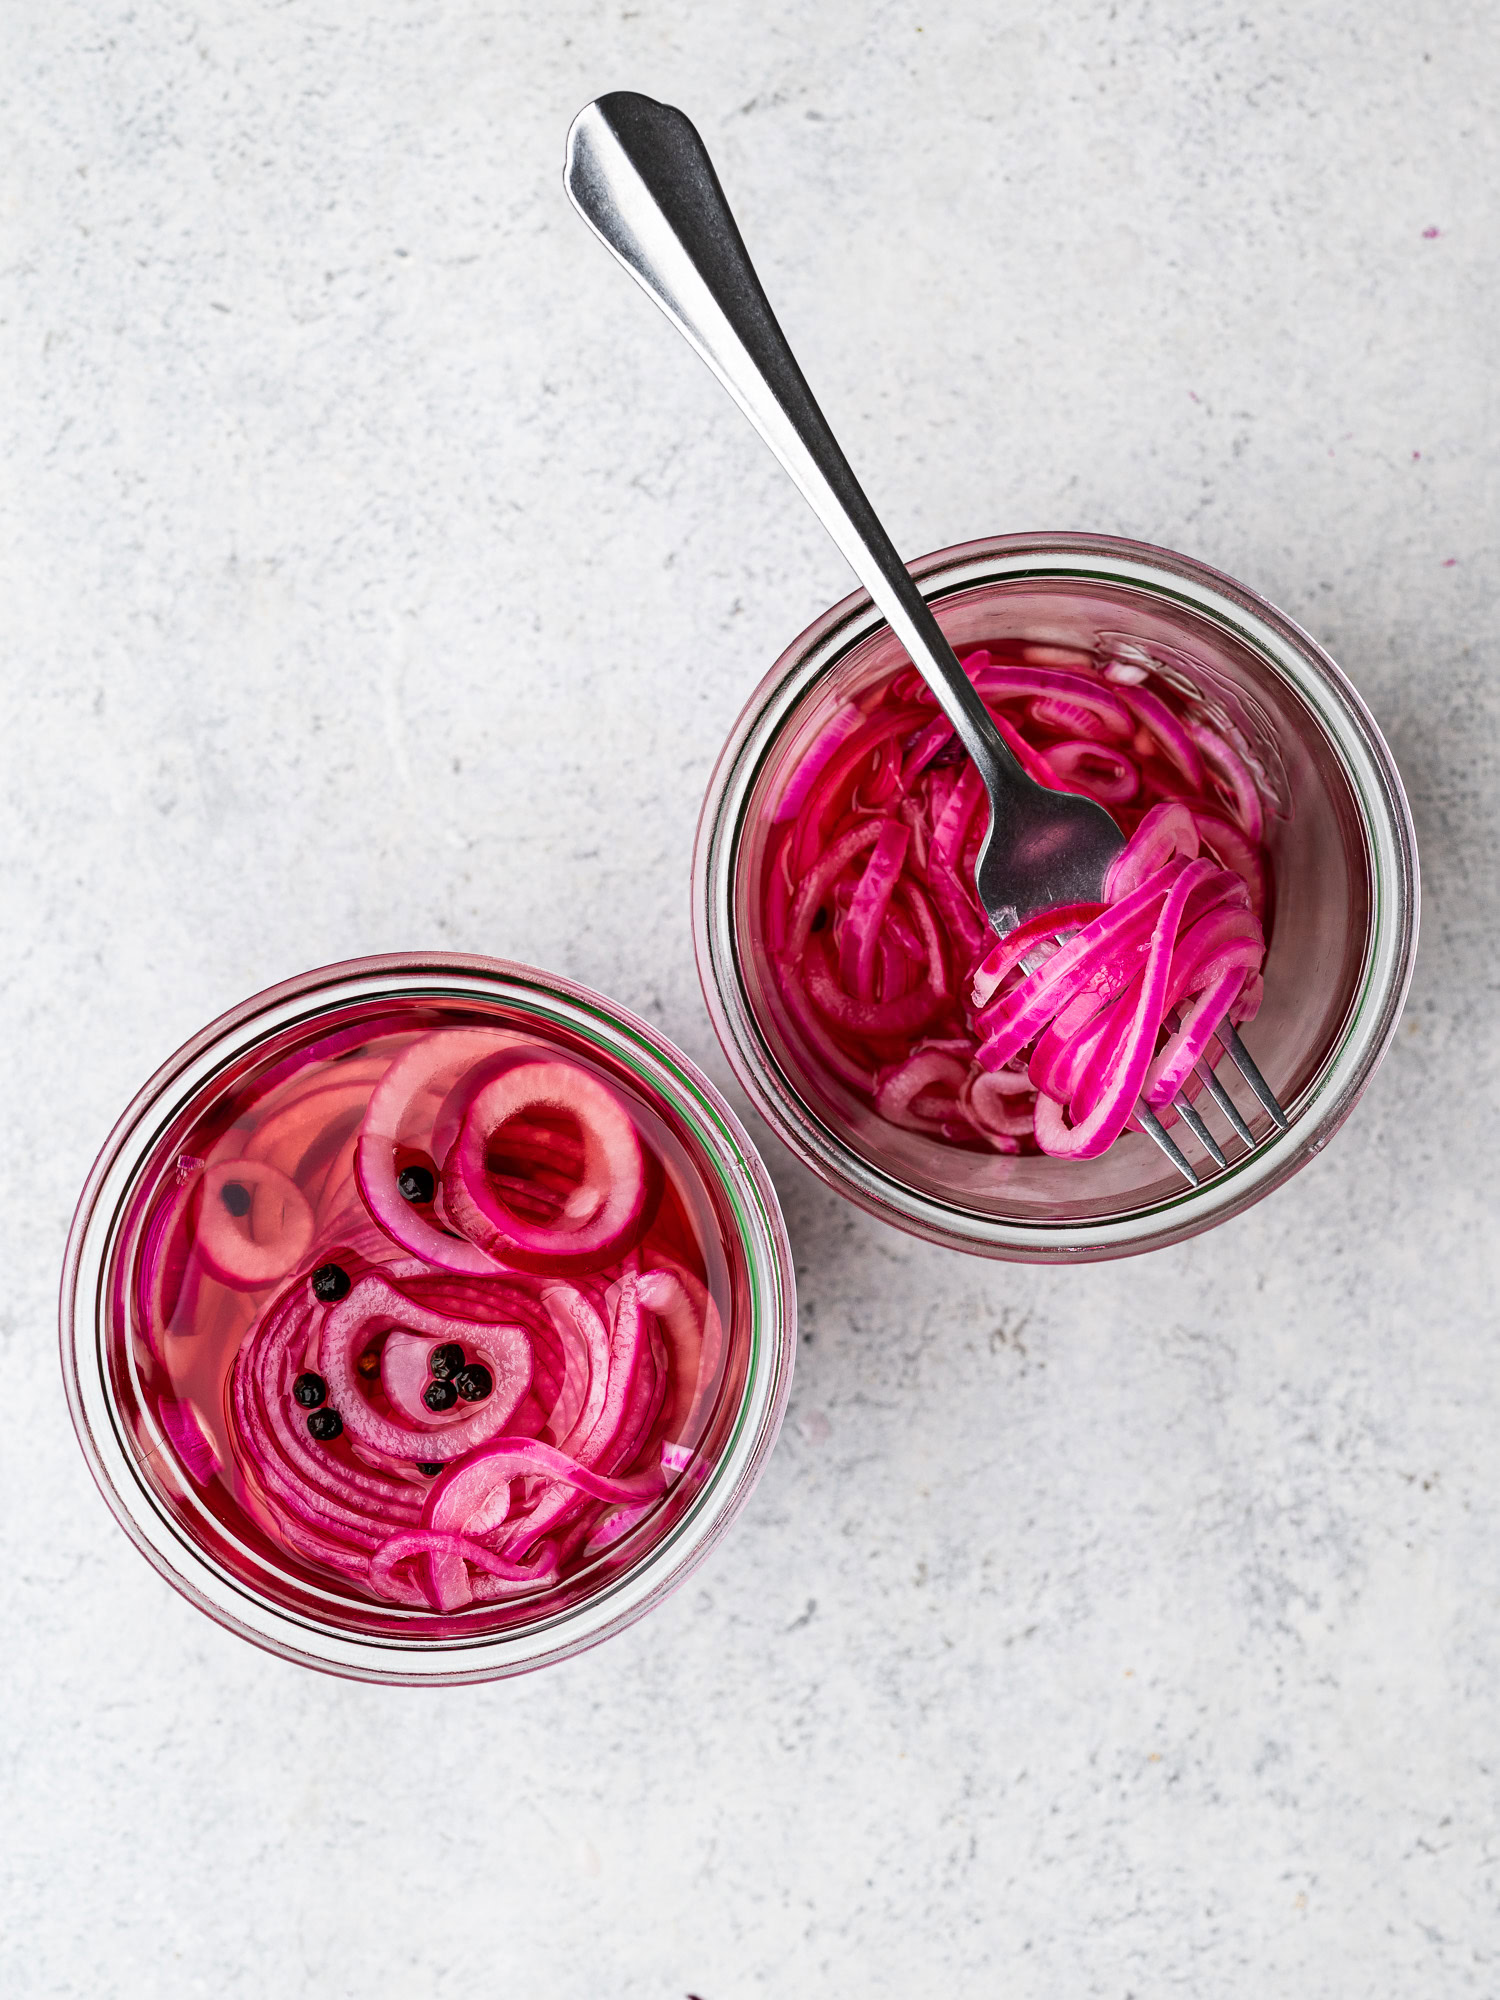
1199, 1131
1240, 1056
1152, 1124
1225, 1103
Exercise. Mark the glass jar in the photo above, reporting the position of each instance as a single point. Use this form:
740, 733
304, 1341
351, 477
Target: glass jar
1340, 840
223, 1560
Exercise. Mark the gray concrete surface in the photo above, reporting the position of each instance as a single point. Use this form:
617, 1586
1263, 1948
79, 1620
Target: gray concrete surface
379, 572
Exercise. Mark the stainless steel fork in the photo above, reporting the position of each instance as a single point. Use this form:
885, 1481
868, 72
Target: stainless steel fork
641, 177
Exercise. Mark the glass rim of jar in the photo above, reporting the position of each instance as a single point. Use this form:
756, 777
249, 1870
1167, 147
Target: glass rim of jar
400, 1656
1348, 727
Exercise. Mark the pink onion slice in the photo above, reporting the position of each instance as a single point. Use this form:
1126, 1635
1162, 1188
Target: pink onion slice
448, 1556
585, 1341
951, 826
810, 830
404, 1374
927, 744
1078, 690
607, 1209
1210, 1007
190, 1439
165, 1267
320, 1503
375, 1306
253, 1224
1169, 732
305, 1124
693, 1333
814, 887
900, 1015
810, 768
1099, 948
646, 1389
1044, 653
400, 1116
631, 1391
1006, 954
991, 1100
867, 908
474, 1500
1031, 759
878, 788
1069, 718
833, 1057
926, 1074
1241, 792
1167, 833
1236, 852
454, 1108
628, 1349
779, 902
1121, 1081
1103, 773
614, 1527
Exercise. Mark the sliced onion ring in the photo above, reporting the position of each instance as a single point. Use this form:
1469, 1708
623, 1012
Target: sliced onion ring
262, 1242
474, 1500
606, 1211
375, 1306
403, 1108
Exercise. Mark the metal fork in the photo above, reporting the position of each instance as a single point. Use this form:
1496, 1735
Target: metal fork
640, 176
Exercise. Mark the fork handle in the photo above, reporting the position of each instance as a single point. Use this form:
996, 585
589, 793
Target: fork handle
640, 176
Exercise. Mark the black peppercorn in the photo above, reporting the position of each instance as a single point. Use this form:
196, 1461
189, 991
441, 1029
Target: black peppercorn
330, 1282
440, 1395
416, 1184
325, 1425
445, 1360
235, 1197
429, 1471
474, 1383
310, 1390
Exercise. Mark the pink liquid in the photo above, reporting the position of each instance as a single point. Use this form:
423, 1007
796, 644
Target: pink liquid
304, 1386
882, 987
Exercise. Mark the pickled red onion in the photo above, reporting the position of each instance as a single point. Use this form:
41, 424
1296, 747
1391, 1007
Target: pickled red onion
884, 959
375, 1306
165, 1263
474, 1501
602, 1215
456, 1553
252, 1222
356, 1367
190, 1438
401, 1113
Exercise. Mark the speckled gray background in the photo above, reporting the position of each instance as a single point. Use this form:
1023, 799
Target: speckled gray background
380, 572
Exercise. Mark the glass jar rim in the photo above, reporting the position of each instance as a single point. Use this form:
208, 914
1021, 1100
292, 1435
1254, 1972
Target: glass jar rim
663, 1072
1349, 729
